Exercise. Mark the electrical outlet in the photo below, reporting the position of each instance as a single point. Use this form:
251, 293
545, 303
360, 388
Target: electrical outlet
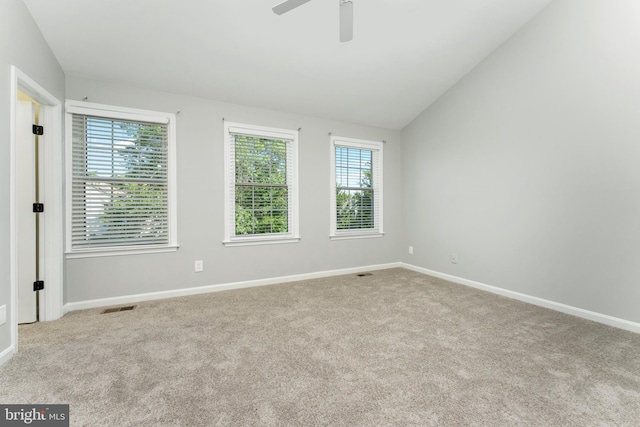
199, 266
410, 250
454, 258
3, 315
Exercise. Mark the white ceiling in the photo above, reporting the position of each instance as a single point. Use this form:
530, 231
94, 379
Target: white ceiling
405, 53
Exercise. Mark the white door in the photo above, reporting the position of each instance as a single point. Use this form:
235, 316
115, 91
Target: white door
25, 197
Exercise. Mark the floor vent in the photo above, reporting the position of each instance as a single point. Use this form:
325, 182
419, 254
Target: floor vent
117, 309
364, 274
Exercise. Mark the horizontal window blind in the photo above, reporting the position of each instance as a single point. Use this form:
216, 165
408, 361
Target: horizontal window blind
260, 185
119, 183
357, 195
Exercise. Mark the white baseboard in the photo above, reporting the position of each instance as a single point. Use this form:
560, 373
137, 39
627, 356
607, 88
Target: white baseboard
563, 308
128, 299
6, 355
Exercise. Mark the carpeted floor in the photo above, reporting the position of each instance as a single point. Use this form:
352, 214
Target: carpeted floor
395, 348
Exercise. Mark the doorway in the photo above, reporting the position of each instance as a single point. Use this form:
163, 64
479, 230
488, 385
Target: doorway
29, 220
29, 99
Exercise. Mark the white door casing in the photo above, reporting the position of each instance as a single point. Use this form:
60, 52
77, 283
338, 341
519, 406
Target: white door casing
51, 194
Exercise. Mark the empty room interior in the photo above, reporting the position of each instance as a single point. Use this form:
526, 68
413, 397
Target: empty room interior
346, 212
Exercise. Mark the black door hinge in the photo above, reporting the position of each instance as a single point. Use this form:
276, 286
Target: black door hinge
38, 207
38, 130
38, 285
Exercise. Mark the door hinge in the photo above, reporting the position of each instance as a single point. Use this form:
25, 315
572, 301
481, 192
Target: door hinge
38, 285
38, 130
38, 207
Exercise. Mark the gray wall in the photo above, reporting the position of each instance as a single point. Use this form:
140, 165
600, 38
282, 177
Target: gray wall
201, 203
529, 168
22, 45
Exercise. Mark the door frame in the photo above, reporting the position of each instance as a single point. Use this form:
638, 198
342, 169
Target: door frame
52, 263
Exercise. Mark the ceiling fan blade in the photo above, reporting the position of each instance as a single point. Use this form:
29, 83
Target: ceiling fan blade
346, 20
288, 5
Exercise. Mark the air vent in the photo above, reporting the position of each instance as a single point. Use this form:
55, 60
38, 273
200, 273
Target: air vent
365, 274
117, 309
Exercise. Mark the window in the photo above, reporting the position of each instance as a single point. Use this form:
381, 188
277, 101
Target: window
356, 188
121, 180
261, 185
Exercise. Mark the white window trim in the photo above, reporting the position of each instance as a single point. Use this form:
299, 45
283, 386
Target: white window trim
291, 137
376, 146
115, 112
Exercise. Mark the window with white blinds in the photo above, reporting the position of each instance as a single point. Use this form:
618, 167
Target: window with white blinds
261, 185
121, 179
356, 188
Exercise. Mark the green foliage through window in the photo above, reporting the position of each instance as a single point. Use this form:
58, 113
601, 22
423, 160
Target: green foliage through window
120, 182
261, 191
354, 191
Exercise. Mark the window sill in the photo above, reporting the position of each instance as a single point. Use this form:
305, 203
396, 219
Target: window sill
93, 253
260, 241
356, 236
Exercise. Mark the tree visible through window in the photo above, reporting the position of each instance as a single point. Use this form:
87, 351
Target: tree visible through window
120, 183
354, 192
261, 186
261, 196
356, 200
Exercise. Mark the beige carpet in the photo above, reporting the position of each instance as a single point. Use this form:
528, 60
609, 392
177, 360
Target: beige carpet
395, 348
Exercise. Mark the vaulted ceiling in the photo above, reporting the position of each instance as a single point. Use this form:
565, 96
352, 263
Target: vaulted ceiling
404, 55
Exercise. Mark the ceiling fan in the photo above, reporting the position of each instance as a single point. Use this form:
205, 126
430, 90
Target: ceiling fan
346, 15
